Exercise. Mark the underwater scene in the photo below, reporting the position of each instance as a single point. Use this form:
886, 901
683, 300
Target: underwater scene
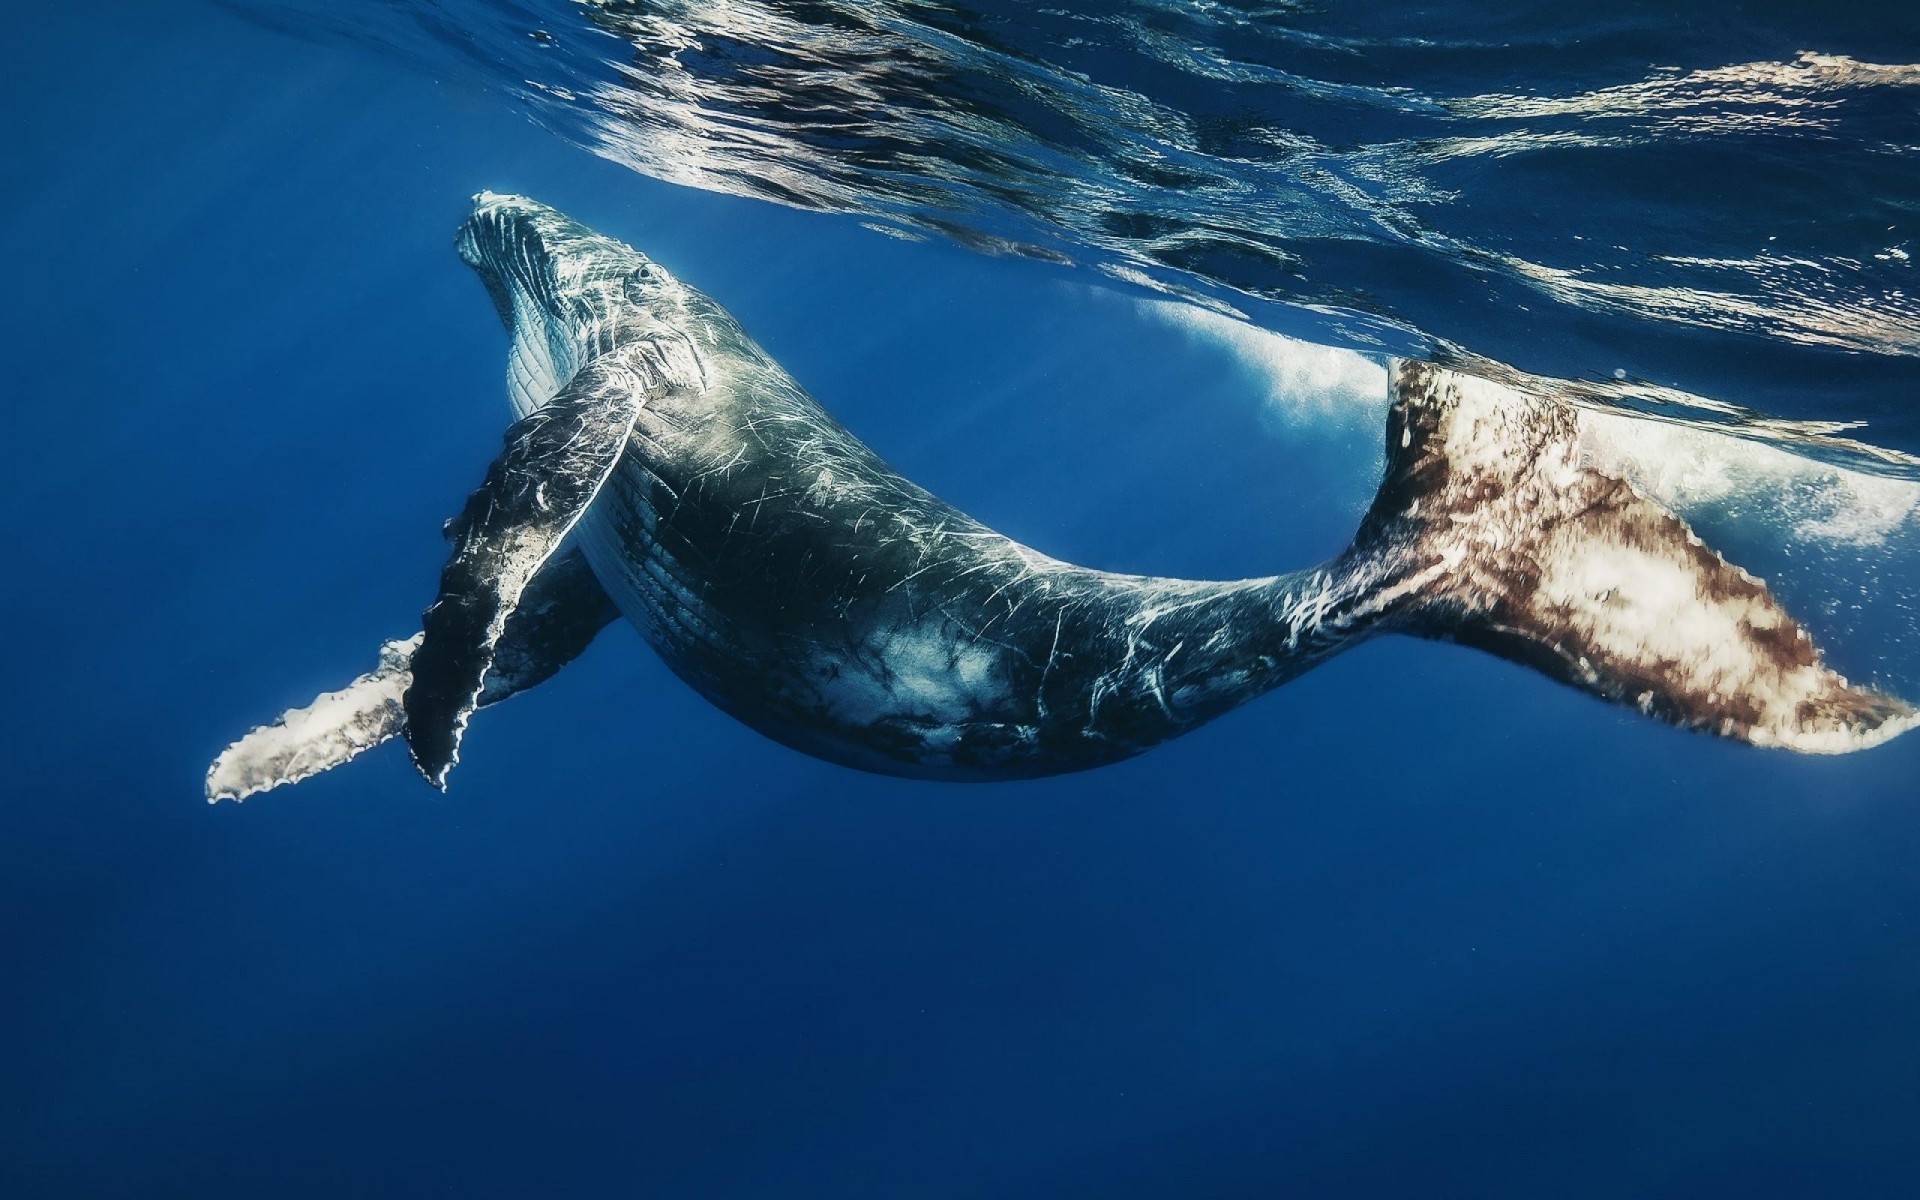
1118, 598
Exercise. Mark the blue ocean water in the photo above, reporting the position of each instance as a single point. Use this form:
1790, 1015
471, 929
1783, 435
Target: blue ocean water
1420, 924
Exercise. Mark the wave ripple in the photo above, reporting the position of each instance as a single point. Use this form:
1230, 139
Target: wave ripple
1722, 200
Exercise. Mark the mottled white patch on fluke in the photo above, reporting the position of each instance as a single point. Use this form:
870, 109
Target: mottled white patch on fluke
335, 728
1572, 571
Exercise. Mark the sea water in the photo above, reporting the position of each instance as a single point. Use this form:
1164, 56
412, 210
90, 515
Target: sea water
1419, 924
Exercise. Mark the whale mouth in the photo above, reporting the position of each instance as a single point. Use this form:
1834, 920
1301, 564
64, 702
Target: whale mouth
509, 242
528, 253
557, 286
540, 268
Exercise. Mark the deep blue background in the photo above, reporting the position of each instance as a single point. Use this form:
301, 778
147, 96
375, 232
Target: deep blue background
1417, 925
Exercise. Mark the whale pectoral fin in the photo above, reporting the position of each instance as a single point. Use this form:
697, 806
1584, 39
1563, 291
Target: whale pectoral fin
1492, 531
554, 464
558, 616
561, 611
336, 728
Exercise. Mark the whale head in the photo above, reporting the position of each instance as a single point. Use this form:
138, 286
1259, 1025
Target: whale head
563, 291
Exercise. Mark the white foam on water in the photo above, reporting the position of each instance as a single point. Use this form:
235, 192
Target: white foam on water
1307, 385
1687, 468
1810, 502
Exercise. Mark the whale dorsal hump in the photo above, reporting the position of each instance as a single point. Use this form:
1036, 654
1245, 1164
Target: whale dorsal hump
554, 463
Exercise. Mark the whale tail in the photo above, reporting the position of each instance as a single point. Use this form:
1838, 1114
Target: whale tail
1489, 531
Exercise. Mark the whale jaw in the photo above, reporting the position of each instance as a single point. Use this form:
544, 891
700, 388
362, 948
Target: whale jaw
565, 293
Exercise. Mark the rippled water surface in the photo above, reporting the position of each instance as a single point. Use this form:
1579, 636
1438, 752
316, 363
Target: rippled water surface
1706, 207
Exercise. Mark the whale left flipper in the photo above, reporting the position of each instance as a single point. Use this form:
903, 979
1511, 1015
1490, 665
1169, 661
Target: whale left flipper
554, 463
558, 616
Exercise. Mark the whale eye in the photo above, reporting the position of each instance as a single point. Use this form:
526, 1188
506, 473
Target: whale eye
638, 282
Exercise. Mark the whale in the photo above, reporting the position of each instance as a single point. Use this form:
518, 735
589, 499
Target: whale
665, 470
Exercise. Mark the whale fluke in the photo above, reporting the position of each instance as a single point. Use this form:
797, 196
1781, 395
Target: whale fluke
554, 463
560, 613
1490, 531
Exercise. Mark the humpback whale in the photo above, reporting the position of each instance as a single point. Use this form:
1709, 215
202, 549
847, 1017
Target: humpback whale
664, 469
